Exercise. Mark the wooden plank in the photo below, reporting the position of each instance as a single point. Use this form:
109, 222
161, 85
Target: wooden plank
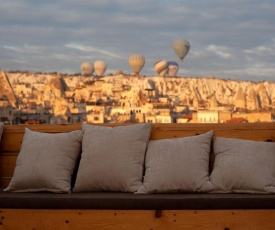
13, 135
4, 182
184, 127
11, 142
262, 135
7, 165
52, 128
137, 219
259, 132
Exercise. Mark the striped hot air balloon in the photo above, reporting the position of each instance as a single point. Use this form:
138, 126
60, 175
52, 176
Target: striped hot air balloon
161, 67
173, 68
136, 61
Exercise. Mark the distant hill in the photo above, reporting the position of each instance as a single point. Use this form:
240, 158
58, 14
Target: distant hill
207, 93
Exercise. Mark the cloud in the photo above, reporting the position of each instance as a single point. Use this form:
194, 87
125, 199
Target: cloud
221, 51
25, 49
258, 71
11, 48
84, 48
262, 50
228, 38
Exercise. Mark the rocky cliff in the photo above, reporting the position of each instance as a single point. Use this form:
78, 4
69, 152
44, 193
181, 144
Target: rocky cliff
208, 93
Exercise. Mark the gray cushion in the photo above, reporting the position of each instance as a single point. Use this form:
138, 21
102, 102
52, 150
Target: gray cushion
112, 158
178, 165
243, 166
46, 162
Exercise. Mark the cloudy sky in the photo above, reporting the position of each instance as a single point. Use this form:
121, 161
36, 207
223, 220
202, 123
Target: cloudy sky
229, 39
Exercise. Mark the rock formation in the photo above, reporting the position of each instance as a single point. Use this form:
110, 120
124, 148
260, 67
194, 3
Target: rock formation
206, 93
6, 90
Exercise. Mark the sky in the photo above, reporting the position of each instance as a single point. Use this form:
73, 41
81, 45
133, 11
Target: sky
229, 39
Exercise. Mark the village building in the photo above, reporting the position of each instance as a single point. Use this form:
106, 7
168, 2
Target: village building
206, 116
77, 99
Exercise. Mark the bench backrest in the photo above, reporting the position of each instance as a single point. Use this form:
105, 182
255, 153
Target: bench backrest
12, 137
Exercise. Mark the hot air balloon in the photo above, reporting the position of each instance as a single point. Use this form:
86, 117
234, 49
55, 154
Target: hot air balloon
173, 68
181, 48
100, 67
136, 61
161, 66
86, 68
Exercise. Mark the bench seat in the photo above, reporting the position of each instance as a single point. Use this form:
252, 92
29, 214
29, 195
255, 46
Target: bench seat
129, 201
109, 210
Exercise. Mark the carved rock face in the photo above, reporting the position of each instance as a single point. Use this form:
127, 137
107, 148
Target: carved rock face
6, 90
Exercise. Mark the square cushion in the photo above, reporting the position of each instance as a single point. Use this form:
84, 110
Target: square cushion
112, 158
46, 162
243, 166
178, 165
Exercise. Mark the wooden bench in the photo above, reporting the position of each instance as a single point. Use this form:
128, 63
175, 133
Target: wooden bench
129, 211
